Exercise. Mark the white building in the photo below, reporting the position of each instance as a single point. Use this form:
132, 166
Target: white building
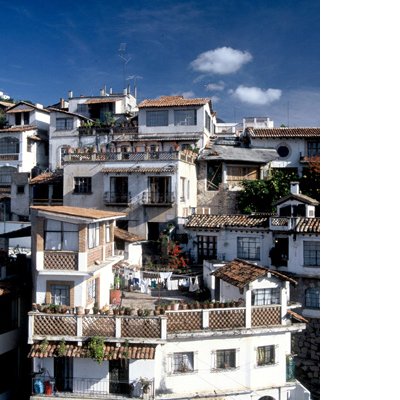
293, 145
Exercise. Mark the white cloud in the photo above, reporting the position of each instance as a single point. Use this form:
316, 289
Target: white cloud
215, 86
215, 99
223, 60
255, 95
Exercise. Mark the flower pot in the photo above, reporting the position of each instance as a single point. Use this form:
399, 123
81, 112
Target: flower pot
175, 307
79, 310
87, 311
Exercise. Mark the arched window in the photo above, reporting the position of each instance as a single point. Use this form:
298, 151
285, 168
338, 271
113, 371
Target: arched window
312, 298
9, 145
267, 398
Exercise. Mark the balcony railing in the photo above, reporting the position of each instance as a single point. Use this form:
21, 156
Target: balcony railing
153, 328
282, 223
117, 198
157, 198
95, 388
47, 202
9, 157
131, 156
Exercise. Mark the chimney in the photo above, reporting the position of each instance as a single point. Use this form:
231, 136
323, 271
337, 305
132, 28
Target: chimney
62, 105
102, 92
110, 90
294, 188
129, 89
70, 94
125, 91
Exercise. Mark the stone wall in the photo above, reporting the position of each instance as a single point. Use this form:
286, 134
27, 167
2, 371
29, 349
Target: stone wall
306, 344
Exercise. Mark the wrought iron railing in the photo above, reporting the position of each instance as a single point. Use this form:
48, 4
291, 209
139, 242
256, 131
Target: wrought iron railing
92, 387
157, 198
117, 198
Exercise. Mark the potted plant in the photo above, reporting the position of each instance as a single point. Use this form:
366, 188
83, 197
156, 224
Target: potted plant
175, 306
62, 348
96, 348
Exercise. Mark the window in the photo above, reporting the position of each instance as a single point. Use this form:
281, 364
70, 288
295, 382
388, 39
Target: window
83, 109
265, 355
91, 290
61, 236
311, 253
183, 189
20, 189
207, 247
208, 123
312, 148
225, 359
9, 145
182, 362
5, 175
283, 151
248, 248
157, 118
262, 297
82, 185
59, 294
93, 235
240, 173
64, 124
185, 117
22, 116
312, 298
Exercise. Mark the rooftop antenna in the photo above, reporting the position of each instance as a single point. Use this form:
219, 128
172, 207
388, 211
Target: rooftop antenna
134, 77
288, 120
125, 58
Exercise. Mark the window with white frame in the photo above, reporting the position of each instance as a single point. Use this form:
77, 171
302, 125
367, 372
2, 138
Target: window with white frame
82, 184
225, 359
157, 118
61, 236
311, 253
64, 124
266, 355
182, 362
248, 248
312, 298
91, 290
9, 145
262, 297
185, 117
93, 235
182, 197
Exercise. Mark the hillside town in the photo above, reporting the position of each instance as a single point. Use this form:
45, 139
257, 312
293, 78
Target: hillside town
151, 251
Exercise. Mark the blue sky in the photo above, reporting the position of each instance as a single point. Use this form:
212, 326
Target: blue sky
252, 58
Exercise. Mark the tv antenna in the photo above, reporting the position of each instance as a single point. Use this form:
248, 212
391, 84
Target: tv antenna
134, 78
125, 58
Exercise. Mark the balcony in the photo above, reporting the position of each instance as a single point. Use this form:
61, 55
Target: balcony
131, 156
154, 329
47, 202
282, 223
75, 388
113, 198
158, 199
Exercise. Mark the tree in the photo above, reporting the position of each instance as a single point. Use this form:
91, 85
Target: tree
259, 195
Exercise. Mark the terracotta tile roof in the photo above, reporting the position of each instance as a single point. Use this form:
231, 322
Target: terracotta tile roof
19, 128
47, 177
127, 236
111, 351
138, 170
79, 212
296, 316
283, 132
222, 221
173, 101
300, 197
6, 104
103, 100
240, 273
307, 225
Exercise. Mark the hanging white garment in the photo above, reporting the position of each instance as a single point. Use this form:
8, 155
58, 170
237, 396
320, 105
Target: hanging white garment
194, 285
